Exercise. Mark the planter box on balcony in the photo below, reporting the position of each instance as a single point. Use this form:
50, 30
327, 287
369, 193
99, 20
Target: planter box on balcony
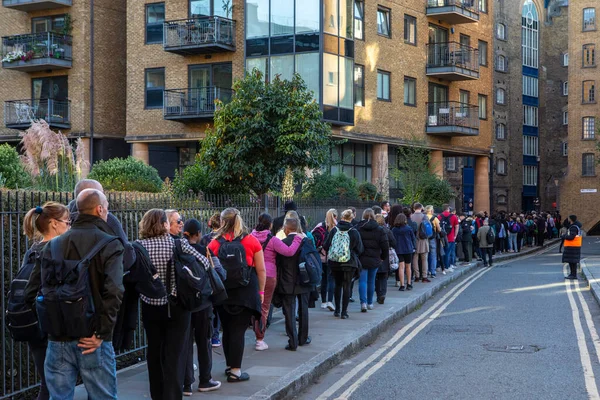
37, 52
36, 5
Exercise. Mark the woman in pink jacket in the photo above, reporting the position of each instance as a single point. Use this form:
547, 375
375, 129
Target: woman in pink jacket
271, 247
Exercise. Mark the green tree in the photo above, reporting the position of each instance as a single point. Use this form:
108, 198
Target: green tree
324, 186
265, 129
417, 181
12, 171
126, 174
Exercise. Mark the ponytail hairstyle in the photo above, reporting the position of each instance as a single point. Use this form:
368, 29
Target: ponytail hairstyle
37, 220
331, 219
348, 215
214, 222
231, 222
264, 222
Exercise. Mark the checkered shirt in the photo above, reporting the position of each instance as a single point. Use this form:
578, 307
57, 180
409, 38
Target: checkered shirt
160, 249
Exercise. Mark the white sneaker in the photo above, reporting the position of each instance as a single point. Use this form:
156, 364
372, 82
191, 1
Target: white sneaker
370, 306
452, 266
261, 345
444, 272
324, 305
397, 284
330, 306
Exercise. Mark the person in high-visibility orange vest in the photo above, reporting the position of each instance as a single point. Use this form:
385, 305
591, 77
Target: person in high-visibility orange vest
572, 246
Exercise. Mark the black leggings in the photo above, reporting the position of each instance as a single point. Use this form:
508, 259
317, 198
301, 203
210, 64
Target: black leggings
343, 281
38, 351
573, 267
234, 329
201, 330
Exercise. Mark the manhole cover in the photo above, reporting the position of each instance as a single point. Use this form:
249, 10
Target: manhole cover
461, 329
513, 348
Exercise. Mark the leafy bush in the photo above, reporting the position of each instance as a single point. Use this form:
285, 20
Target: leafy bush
367, 191
12, 171
325, 186
126, 174
193, 179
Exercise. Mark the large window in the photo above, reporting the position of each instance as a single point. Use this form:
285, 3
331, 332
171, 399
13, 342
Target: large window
359, 85
501, 31
483, 53
222, 8
530, 116
500, 96
530, 86
588, 165
53, 87
410, 91
500, 131
155, 85
530, 35
482, 102
589, 92
450, 164
282, 18
353, 159
589, 128
530, 146
501, 63
359, 19
155, 17
55, 23
307, 65
589, 19
589, 55
383, 86
501, 166
383, 22
530, 173
483, 6
410, 29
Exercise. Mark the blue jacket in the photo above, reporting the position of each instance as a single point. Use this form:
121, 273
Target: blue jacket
405, 239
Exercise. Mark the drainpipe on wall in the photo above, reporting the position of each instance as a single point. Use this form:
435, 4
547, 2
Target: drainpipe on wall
91, 82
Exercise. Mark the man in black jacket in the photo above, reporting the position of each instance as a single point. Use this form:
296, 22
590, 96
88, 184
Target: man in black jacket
92, 357
288, 287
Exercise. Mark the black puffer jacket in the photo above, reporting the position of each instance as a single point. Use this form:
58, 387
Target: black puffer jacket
375, 241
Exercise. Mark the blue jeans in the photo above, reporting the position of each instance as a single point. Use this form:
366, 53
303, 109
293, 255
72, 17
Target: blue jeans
512, 242
98, 370
366, 285
327, 284
452, 255
432, 257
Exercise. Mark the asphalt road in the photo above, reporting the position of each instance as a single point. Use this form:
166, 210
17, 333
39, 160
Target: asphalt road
514, 331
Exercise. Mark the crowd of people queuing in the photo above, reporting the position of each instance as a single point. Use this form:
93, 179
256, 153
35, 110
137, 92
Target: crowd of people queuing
83, 246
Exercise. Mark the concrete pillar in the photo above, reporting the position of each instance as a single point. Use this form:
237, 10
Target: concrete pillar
481, 202
85, 166
379, 169
140, 151
436, 163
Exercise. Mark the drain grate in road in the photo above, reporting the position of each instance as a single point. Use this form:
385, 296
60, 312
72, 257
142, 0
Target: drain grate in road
460, 329
519, 349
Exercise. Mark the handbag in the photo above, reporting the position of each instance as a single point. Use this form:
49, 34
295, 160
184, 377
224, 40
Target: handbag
219, 293
394, 260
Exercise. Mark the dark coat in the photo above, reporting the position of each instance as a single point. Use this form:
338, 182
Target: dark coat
287, 272
106, 270
572, 254
356, 244
375, 242
278, 223
465, 225
384, 268
405, 239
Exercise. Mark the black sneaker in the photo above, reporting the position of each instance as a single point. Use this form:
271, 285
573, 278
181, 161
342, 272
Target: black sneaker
345, 316
401, 289
408, 287
187, 390
209, 386
351, 300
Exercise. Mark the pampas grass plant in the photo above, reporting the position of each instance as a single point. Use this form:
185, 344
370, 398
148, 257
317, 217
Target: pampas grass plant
53, 162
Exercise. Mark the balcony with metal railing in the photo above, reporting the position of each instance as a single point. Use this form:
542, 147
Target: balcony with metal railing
454, 11
18, 114
452, 61
452, 118
200, 35
36, 5
37, 52
193, 103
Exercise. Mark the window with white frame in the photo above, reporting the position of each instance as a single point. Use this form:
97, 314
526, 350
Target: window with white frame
565, 149
588, 164
483, 6
530, 146
589, 128
500, 96
501, 31
451, 164
530, 35
565, 88
501, 166
501, 63
589, 19
565, 118
482, 103
530, 116
530, 86
530, 175
501, 131
565, 59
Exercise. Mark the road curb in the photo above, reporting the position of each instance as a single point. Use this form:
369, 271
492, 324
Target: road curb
592, 281
303, 376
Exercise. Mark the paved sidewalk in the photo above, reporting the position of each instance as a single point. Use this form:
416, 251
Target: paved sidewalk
277, 373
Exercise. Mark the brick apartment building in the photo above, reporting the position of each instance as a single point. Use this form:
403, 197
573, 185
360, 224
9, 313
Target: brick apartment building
530, 103
46, 70
579, 187
382, 72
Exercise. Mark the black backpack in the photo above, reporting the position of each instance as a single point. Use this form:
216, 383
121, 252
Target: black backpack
145, 275
21, 318
446, 224
232, 256
191, 280
490, 237
309, 264
65, 305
